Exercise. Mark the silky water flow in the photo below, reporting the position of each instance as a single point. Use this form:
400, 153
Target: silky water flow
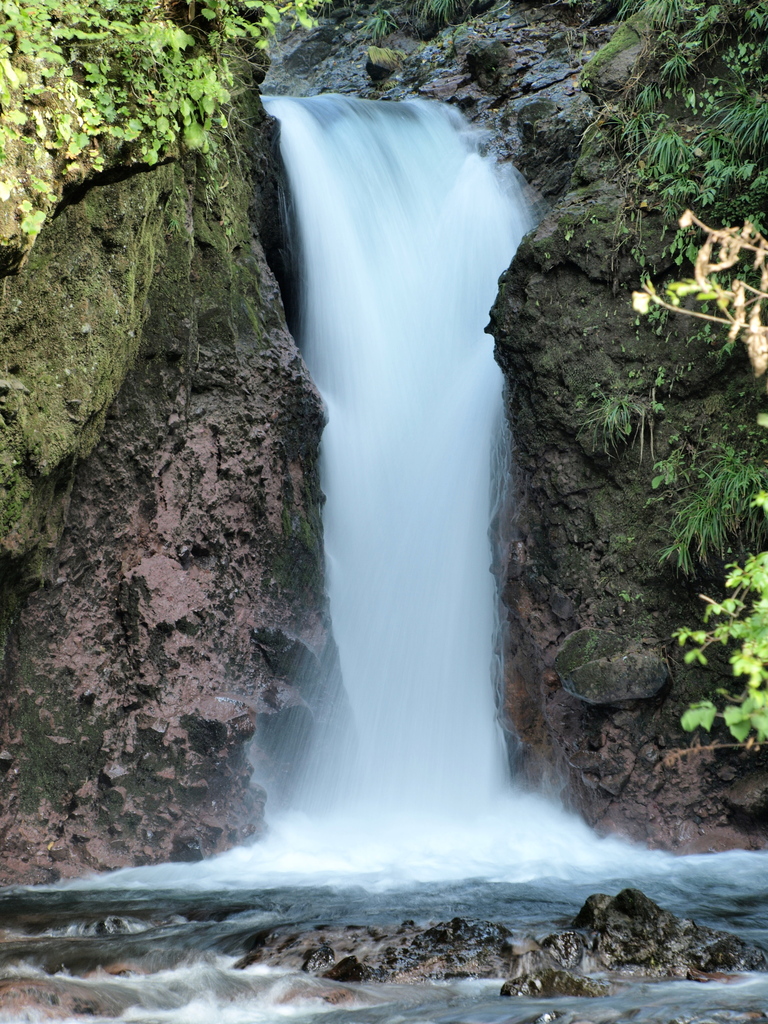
403, 230
407, 811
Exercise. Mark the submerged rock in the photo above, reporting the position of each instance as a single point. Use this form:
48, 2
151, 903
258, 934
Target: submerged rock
551, 983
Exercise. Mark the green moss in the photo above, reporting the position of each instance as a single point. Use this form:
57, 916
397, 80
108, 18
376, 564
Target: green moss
627, 35
61, 741
69, 332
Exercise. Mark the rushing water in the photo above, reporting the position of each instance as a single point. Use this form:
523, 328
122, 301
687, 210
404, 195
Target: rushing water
402, 229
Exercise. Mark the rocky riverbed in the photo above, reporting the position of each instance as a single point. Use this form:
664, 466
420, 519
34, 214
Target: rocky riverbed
107, 954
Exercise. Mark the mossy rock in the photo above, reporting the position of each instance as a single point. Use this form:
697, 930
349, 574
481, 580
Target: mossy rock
611, 68
551, 983
600, 667
381, 62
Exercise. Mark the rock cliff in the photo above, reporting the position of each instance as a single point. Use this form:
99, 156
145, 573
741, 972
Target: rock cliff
160, 553
162, 561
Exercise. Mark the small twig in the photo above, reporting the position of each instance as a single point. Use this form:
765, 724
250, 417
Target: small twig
670, 759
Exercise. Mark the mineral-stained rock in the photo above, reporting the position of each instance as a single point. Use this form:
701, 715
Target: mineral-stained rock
632, 934
42, 999
551, 983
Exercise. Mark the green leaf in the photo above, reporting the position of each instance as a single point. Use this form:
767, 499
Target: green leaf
740, 730
698, 715
32, 223
194, 136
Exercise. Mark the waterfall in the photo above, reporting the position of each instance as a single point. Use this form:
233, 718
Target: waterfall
403, 229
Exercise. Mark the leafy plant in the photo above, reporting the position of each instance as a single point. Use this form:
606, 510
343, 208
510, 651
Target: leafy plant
734, 496
712, 57
719, 510
743, 619
81, 82
672, 470
380, 24
613, 420
440, 11
740, 304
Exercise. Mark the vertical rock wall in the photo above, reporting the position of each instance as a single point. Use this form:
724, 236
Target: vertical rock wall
182, 603
589, 526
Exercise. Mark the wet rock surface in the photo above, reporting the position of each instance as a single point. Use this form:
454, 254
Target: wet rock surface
550, 983
631, 933
513, 72
610, 938
584, 549
113, 957
407, 954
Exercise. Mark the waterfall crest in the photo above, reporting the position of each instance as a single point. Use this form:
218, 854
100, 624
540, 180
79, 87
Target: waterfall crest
403, 229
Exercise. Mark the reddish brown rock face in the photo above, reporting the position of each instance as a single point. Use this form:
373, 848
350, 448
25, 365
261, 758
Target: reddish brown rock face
588, 531
133, 677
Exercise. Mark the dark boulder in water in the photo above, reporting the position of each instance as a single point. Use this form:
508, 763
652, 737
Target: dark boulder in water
319, 959
632, 934
349, 969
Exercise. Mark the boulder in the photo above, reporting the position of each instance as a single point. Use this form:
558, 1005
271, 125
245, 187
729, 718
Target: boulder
551, 983
749, 795
381, 62
485, 59
632, 934
600, 667
610, 70
349, 969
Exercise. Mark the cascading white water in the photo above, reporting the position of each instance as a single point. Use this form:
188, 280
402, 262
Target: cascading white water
403, 231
